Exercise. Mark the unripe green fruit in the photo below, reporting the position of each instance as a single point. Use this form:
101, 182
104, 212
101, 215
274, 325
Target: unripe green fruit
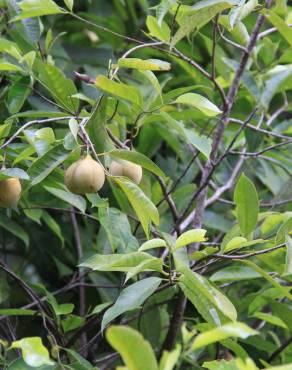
10, 190
128, 169
84, 176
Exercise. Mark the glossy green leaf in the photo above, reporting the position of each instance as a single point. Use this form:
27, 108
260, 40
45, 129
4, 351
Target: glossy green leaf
13, 172
240, 12
118, 230
160, 30
269, 278
120, 90
273, 320
33, 351
169, 359
145, 209
199, 102
122, 262
61, 88
37, 8
213, 305
74, 200
247, 205
131, 298
149, 64
135, 351
200, 14
69, 4
153, 243
44, 165
288, 262
240, 242
17, 312
9, 67
189, 237
234, 329
281, 26
162, 9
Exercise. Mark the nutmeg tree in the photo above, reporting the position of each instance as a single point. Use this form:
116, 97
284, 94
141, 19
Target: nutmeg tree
145, 184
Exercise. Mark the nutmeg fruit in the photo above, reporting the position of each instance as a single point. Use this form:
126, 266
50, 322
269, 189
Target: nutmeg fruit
128, 169
10, 190
84, 176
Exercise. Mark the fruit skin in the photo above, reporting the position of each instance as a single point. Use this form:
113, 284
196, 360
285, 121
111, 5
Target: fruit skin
10, 190
84, 176
128, 169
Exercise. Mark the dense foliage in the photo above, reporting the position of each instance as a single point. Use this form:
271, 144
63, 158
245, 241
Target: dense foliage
145, 187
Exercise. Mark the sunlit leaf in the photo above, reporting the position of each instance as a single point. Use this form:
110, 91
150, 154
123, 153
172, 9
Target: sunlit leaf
199, 102
234, 329
135, 351
33, 351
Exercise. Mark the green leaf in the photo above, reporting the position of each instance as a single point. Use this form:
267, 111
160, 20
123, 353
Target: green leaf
200, 142
189, 237
44, 165
17, 95
100, 307
75, 200
242, 11
288, 263
169, 359
234, 273
16, 312
247, 205
137, 158
162, 9
37, 8
69, 4
199, 102
284, 230
61, 88
33, 351
118, 230
200, 14
234, 329
281, 26
132, 263
119, 90
273, 320
153, 243
10, 47
14, 228
131, 298
159, 31
13, 172
96, 126
144, 65
277, 79
53, 225
19, 364
269, 278
240, 242
145, 209
135, 351
9, 67
213, 305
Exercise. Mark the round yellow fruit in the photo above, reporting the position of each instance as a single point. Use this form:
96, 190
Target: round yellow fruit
128, 169
10, 190
84, 176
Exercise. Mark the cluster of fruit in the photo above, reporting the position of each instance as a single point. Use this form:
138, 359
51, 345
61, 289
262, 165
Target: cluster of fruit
83, 176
